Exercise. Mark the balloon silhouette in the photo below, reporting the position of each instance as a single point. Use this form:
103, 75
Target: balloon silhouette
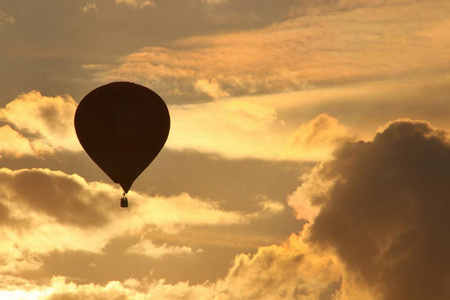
122, 126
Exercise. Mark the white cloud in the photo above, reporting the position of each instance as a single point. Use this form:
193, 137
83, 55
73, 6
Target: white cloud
13, 143
148, 248
137, 3
213, 1
308, 197
47, 122
317, 139
90, 7
5, 19
17, 261
271, 207
211, 88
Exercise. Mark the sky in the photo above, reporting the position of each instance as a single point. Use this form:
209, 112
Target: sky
308, 157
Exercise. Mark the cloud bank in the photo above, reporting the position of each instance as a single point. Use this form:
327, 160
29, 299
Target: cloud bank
43, 211
241, 129
378, 215
382, 206
288, 271
38, 125
316, 47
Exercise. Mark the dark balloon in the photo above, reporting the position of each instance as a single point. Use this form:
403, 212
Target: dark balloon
122, 126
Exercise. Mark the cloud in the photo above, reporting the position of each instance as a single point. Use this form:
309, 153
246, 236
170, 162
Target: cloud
231, 128
292, 270
288, 271
49, 210
148, 248
13, 143
40, 126
210, 88
90, 7
383, 208
70, 200
244, 129
5, 19
308, 197
213, 1
137, 3
316, 49
60, 288
16, 261
47, 123
44, 211
317, 138
60, 196
189, 211
269, 206
377, 212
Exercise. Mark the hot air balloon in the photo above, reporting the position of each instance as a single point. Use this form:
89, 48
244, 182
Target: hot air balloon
122, 126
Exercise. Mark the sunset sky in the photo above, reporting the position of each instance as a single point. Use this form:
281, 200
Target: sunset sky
308, 157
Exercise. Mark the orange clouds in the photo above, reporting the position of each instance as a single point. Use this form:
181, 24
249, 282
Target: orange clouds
292, 270
317, 139
377, 213
41, 124
237, 129
44, 211
147, 248
211, 88
233, 129
61, 288
13, 143
295, 54
262, 86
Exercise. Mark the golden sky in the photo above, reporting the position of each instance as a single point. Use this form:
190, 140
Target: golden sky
308, 158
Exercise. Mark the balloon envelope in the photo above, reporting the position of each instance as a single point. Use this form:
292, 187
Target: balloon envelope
122, 126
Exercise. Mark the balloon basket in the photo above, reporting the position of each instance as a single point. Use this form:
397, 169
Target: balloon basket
124, 201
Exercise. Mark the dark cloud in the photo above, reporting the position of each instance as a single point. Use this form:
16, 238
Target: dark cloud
55, 194
388, 214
